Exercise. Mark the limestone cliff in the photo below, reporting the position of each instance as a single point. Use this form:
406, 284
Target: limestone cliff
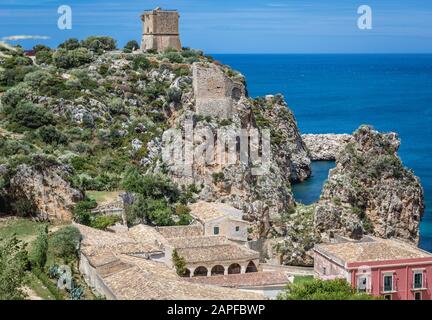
45, 188
325, 146
370, 192
218, 106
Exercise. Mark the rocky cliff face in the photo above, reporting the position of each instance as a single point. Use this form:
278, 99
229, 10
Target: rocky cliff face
262, 197
370, 192
325, 146
45, 189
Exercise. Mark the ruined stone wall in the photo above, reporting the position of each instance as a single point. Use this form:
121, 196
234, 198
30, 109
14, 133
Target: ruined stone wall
214, 91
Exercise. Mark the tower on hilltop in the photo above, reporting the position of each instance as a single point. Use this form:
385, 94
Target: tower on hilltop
160, 30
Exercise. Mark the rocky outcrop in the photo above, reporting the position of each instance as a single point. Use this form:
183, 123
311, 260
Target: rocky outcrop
325, 146
263, 197
45, 187
370, 192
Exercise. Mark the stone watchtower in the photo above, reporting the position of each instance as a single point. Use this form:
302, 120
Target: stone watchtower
160, 30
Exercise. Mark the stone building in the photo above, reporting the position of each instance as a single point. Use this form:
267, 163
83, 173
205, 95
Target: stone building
124, 266
213, 246
160, 30
220, 219
215, 92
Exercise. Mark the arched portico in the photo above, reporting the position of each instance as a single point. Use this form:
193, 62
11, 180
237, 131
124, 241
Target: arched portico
217, 270
200, 271
234, 268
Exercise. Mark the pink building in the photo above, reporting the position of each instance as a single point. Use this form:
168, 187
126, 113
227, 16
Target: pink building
389, 268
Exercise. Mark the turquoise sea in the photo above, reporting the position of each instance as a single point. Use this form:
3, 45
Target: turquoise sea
338, 93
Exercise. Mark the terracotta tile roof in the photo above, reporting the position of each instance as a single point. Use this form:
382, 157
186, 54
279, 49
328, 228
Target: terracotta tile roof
97, 242
374, 250
129, 277
202, 241
207, 211
181, 231
151, 280
147, 234
224, 252
252, 279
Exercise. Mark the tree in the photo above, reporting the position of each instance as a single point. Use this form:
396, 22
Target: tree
317, 289
67, 59
31, 116
99, 44
40, 248
50, 135
70, 44
179, 263
150, 186
141, 62
13, 264
15, 95
44, 57
131, 46
64, 243
40, 47
82, 211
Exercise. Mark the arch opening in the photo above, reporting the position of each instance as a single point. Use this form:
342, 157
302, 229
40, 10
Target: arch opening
234, 268
200, 272
217, 270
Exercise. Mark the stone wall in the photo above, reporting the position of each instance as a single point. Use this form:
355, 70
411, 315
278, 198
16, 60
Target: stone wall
160, 30
93, 279
215, 92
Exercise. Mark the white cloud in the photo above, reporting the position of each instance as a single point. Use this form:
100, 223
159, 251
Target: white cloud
25, 37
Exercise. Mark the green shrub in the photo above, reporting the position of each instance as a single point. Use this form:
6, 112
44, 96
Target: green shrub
104, 221
44, 82
44, 57
218, 177
82, 211
174, 95
67, 59
317, 289
13, 265
116, 106
40, 248
179, 263
141, 62
131, 45
31, 116
50, 135
173, 57
70, 44
15, 95
99, 44
64, 243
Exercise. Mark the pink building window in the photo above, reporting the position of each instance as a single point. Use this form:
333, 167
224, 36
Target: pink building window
418, 280
388, 282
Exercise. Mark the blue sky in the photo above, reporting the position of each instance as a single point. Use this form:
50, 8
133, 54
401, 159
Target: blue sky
236, 26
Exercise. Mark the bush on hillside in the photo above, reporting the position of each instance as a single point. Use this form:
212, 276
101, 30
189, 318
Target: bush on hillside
64, 243
70, 44
99, 44
67, 59
130, 46
31, 116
